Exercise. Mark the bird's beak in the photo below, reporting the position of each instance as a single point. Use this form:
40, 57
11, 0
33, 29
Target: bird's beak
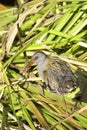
28, 66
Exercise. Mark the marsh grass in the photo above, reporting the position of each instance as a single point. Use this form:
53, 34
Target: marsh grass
57, 28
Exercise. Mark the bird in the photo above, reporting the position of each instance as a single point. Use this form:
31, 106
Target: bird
56, 73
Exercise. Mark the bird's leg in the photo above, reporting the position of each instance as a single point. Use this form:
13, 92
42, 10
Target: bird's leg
77, 101
40, 85
65, 104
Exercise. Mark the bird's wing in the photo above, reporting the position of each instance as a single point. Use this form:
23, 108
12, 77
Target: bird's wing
58, 76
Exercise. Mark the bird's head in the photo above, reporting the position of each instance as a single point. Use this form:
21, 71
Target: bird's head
39, 57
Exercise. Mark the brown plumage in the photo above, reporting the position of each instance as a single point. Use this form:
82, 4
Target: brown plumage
55, 72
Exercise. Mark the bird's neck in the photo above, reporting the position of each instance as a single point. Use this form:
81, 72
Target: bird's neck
41, 66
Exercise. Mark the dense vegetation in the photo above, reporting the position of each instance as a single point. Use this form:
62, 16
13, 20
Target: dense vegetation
57, 28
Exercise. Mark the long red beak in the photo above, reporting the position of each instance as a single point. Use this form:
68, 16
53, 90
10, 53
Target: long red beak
28, 66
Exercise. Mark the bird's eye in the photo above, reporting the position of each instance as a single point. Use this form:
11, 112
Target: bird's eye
36, 57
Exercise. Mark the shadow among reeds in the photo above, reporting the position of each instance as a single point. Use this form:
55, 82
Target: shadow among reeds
82, 83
